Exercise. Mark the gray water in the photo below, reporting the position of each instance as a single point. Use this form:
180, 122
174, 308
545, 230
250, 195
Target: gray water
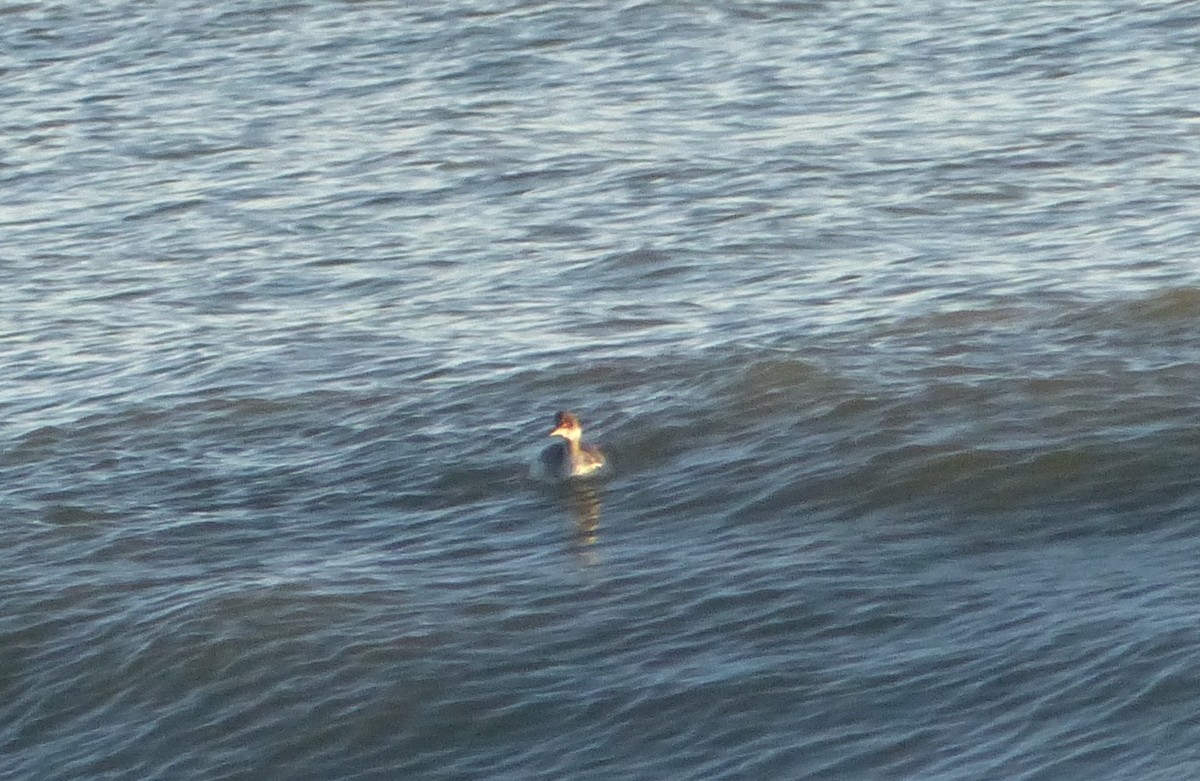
886, 314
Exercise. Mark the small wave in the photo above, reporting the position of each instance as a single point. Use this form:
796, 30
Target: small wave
1168, 312
1170, 306
68, 514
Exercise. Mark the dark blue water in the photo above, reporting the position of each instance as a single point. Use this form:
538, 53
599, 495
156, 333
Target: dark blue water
884, 313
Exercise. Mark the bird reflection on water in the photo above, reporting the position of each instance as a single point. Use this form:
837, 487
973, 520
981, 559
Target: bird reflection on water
585, 505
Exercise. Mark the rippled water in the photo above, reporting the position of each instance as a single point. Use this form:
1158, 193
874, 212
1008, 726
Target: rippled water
885, 313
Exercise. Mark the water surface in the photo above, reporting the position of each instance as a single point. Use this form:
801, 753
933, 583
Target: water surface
884, 313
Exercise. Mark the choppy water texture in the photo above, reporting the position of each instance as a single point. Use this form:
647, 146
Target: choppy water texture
885, 312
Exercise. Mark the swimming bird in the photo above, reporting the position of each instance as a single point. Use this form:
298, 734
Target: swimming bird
569, 457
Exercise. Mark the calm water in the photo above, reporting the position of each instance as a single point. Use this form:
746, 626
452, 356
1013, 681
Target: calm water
885, 312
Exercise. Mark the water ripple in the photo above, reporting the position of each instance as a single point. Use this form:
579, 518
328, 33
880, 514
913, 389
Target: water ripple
883, 314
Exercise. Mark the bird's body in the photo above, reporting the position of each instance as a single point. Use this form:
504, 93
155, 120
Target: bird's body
568, 457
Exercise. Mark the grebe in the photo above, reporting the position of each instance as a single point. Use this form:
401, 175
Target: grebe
570, 457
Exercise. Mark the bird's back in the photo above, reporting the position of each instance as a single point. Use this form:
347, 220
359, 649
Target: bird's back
555, 460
